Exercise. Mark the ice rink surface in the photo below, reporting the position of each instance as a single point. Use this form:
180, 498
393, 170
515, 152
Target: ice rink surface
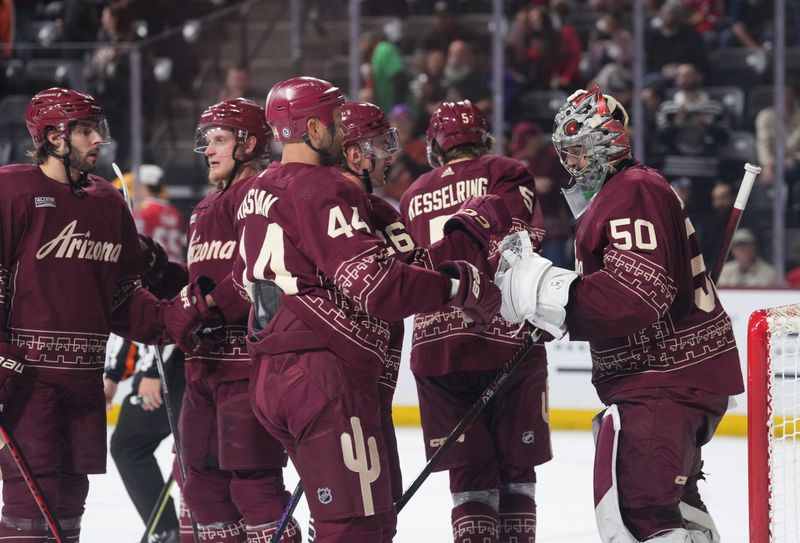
564, 495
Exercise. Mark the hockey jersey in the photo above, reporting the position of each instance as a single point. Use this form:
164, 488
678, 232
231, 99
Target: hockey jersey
645, 302
442, 341
68, 271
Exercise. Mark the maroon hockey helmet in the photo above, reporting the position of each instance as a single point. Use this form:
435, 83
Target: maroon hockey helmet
244, 117
364, 125
457, 123
292, 102
57, 109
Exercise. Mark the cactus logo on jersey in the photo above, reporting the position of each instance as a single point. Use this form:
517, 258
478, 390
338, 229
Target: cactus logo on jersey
71, 244
368, 469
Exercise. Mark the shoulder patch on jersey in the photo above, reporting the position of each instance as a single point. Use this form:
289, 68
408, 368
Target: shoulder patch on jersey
44, 201
447, 171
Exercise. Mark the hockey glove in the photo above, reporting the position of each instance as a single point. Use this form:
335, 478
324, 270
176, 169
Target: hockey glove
11, 365
155, 260
192, 324
535, 290
481, 216
475, 294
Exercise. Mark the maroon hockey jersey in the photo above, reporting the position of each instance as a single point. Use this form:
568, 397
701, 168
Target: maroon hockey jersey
69, 271
213, 246
316, 234
442, 342
645, 302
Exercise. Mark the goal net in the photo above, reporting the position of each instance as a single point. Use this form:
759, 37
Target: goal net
773, 413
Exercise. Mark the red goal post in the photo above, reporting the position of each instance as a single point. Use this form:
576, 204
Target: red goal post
773, 433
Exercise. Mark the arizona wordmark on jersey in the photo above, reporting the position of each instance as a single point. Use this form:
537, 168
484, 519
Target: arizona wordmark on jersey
71, 244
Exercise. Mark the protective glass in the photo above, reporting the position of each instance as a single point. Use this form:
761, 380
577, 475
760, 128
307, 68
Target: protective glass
214, 135
91, 127
382, 146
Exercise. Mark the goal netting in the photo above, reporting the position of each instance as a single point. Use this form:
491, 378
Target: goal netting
773, 411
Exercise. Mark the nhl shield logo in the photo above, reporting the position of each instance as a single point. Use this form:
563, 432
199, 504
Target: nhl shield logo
527, 437
325, 496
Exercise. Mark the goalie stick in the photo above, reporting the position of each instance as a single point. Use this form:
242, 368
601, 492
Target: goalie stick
173, 425
750, 173
33, 484
477, 408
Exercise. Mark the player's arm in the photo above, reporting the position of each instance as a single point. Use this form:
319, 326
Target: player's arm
340, 236
636, 285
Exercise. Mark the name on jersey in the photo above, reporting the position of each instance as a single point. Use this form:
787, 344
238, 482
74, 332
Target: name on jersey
448, 196
256, 201
72, 244
210, 250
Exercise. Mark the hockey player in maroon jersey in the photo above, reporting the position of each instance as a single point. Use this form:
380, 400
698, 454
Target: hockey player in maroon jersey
319, 356
663, 353
234, 485
368, 147
492, 476
69, 265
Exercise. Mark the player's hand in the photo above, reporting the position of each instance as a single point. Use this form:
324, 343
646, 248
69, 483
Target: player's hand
109, 390
11, 366
476, 295
190, 321
482, 216
155, 259
150, 393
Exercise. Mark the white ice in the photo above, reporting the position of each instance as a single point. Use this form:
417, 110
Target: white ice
564, 495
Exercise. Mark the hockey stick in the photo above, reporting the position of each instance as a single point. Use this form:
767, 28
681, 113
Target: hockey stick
173, 426
158, 509
477, 408
750, 173
286, 516
33, 484
160, 363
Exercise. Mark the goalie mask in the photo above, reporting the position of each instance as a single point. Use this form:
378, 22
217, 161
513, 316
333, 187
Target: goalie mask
589, 135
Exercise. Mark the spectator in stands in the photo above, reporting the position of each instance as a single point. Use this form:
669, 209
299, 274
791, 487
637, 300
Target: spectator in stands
411, 161
528, 145
446, 28
387, 83
673, 43
81, 20
691, 123
706, 16
747, 269
752, 24
427, 87
548, 57
464, 78
301, 12
237, 84
610, 43
652, 97
765, 140
107, 71
711, 226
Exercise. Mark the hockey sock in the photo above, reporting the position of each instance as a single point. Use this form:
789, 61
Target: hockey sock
517, 513
264, 532
475, 522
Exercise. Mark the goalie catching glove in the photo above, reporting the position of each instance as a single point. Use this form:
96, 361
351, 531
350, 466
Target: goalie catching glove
532, 288
11, 366
473, 292
194, 326
481, 216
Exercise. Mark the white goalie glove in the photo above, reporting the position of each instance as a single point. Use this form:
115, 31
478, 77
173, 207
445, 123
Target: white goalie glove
532, 288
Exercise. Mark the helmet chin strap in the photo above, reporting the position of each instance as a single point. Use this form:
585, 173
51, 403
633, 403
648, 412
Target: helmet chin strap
76, 186
364, 175
235, 170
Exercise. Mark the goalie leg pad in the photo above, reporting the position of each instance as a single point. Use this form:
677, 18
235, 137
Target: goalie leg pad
700, 524
606, 494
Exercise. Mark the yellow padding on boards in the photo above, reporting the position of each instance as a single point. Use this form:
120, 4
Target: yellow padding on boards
560, 419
